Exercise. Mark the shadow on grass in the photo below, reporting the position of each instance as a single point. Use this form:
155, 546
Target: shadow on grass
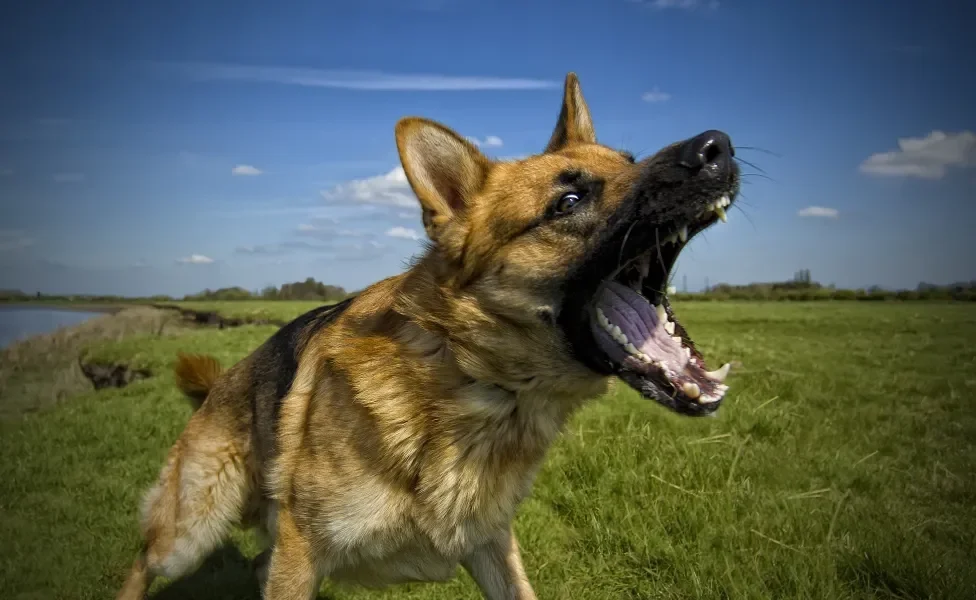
226, 575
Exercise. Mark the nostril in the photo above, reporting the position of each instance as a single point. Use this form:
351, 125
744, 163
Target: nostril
712, 152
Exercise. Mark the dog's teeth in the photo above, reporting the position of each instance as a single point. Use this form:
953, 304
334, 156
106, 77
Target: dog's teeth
683, 234
708, 399
677, 340
685, 350
719, 374
662, 315
726, 200
631, 349
691, 390
721, 214
669, 327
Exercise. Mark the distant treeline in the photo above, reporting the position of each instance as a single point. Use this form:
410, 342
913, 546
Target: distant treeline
805, 290
300, 290
799, 289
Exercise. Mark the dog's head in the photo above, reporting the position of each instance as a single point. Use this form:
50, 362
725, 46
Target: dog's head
573, 248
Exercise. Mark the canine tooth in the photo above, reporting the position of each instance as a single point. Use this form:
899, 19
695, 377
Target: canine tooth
721, 214
683, 234
669, 327
662, 315
691, 389
630, 348
725, 200
719, 374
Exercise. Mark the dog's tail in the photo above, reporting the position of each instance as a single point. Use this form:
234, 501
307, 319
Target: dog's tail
195, 376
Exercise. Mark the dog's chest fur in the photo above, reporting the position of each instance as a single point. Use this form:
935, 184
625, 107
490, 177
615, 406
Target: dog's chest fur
397, 486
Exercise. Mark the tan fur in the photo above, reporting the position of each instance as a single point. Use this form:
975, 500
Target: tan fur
195, 376
417, 421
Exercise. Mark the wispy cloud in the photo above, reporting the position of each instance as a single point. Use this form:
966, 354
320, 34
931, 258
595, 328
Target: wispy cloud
491, 141
679, 4
195, 259
655, 95
246, 170
403, 232
351, 79
347, 251
68, 177
822, 212
12, 240
928, 157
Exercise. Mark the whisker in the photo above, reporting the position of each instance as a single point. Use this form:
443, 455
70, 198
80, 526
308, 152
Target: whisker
620, 257
764, 176
758, 149
750, 164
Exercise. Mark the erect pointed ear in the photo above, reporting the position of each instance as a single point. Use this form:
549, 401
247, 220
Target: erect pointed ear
575, 126
443, 169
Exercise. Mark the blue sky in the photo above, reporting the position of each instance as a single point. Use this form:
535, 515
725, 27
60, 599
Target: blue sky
165, 147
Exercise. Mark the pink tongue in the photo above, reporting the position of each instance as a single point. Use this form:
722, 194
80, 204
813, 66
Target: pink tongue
637, 319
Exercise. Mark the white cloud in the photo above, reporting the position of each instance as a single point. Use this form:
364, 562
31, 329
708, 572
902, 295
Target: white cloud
68, 177
491, 141
655, 95
928, 157
195, 259
246, 170
403, 232
389, 189
13, 240
819, 211
352, 79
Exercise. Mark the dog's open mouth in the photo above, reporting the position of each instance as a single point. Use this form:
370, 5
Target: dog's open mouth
633, 325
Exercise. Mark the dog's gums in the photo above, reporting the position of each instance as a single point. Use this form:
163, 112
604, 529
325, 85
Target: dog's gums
643, 338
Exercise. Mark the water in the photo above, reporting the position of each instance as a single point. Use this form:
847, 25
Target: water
19, 322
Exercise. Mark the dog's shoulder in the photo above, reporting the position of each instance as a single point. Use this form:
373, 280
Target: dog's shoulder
272, 366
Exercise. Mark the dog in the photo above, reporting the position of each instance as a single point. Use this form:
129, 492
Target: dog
391, 437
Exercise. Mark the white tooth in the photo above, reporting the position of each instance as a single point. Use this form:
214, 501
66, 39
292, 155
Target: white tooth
617, 331
719, 374
691, 390
630, 348
687, 353
676, 339
683, 233
669, 327
725, 200
721, 214
709, 399
662, 315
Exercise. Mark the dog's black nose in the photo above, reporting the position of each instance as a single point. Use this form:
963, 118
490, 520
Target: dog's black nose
710, 153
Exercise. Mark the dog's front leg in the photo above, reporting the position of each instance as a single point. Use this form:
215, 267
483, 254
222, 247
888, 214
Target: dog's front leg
497, 569
293, 572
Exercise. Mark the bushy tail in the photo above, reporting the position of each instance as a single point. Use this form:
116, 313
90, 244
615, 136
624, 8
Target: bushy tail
195, 376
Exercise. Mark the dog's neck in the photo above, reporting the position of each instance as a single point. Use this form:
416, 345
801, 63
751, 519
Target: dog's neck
485, 346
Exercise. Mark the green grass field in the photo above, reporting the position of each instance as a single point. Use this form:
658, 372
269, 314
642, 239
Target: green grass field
841, 466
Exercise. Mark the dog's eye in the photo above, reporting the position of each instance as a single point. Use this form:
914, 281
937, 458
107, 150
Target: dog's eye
567, 202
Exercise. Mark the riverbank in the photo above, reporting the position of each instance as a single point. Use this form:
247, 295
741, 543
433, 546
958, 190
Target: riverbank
42, 370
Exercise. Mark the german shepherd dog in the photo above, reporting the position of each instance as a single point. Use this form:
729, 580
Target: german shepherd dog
391, 437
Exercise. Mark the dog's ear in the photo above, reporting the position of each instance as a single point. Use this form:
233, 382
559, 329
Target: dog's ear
575, 126
443, 169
